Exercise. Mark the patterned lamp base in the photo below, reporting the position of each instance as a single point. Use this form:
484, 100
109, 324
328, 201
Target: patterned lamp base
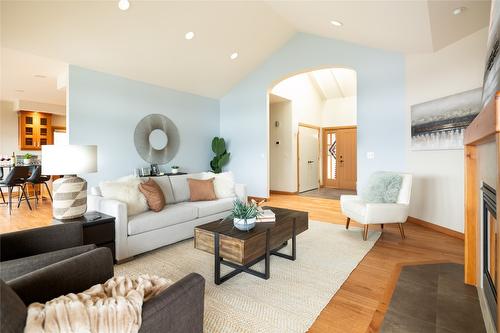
70, 197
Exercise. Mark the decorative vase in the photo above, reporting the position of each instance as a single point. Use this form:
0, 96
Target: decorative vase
70, 197
243, 224
175, 170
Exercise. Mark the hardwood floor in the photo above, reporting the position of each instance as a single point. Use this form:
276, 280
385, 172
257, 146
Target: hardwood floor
361, 302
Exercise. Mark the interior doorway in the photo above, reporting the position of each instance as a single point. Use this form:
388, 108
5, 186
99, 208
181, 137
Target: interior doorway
340, 157
308, 158
304, 111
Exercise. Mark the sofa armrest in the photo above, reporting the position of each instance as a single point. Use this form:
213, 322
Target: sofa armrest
12, 269
72, 275
241, 192
178, 309
117, 209
31, 242
386, 213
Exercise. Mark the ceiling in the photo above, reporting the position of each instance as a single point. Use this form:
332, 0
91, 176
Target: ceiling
28, 77
147, 43
334, 82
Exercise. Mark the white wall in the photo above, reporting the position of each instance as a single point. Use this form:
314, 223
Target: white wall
282, 176
9, 135
306, 107
339, 112
438, 186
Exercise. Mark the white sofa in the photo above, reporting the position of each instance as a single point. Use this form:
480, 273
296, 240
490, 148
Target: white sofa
150, 230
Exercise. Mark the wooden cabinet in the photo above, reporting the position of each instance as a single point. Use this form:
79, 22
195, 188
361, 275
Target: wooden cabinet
35, 130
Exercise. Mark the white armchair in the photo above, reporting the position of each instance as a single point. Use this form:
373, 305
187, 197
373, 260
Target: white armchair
354, 208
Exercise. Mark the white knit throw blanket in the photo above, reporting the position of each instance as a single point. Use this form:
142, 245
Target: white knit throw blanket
112, 307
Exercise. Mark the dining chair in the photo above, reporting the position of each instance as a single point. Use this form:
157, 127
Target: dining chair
16, 178
36, 178
1, 192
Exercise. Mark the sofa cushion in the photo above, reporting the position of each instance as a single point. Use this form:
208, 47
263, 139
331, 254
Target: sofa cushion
180, 186
154, 195
164, 183
201, 189
126, 189
223, 183
170, 215
207, 208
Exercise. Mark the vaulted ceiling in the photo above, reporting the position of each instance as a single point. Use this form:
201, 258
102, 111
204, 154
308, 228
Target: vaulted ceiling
147, 41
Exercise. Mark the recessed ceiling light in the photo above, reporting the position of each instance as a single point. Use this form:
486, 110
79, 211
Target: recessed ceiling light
459, 10
189, 35
40, 76
19, 90
336, 23
233, 55
123, 4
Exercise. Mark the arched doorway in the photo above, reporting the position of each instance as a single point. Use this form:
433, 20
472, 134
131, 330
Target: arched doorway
312, 131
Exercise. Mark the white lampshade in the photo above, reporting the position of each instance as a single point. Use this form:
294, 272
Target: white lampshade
68, 159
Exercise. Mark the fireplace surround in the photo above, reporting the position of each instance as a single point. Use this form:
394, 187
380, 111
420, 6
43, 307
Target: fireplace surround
490, 247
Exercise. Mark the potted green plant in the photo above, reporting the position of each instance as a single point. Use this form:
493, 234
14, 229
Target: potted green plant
174, 169
27, 158
221, 157
244, 214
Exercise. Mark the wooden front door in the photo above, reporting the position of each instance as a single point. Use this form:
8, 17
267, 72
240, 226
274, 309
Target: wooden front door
339, 158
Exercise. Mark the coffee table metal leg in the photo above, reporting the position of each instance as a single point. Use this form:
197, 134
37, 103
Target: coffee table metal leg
293, 256
267, 272
217, 259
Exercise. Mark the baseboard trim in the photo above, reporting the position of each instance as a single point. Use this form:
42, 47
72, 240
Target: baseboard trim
436, 227
284, 192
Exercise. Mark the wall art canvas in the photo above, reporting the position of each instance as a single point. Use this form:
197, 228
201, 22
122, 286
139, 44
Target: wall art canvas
440, 124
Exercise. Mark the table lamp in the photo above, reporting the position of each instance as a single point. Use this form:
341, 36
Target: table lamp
69, 192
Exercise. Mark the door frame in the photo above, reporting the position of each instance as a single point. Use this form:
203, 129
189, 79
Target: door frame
298, 151
323, 153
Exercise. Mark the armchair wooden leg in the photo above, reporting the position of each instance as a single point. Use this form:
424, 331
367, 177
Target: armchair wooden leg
347, 223
365, 232
401, 230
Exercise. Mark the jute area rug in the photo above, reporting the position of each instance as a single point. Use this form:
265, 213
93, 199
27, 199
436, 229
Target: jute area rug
289, 301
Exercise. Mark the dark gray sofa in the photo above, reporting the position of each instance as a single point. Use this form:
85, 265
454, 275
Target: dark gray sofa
37, 267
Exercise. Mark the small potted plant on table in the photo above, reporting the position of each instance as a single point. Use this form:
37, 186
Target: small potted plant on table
174, 169
244, 214
27, 158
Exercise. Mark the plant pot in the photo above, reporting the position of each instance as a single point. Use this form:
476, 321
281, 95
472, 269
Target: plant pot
27, 161
174, 171
243, 224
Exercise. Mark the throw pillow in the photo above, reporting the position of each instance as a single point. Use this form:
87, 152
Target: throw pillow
201, 189
223, 184
126, 189
382, 187
154, 195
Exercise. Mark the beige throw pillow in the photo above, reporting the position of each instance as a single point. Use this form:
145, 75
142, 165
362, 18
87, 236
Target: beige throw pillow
154, 195
201, 189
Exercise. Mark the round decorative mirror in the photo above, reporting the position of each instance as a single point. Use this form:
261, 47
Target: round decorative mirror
156, 139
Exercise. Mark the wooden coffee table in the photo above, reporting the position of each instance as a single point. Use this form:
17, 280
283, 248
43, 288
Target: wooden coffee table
243, 249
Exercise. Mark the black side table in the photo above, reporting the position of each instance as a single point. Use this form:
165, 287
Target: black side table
98, 229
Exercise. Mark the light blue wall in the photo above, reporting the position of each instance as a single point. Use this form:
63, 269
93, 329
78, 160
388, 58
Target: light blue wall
244, 118
104, 109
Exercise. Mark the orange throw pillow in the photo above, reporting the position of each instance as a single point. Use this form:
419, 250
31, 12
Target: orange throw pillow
154, 195
201, 190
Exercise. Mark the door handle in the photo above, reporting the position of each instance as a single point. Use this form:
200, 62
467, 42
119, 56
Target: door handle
309, 162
